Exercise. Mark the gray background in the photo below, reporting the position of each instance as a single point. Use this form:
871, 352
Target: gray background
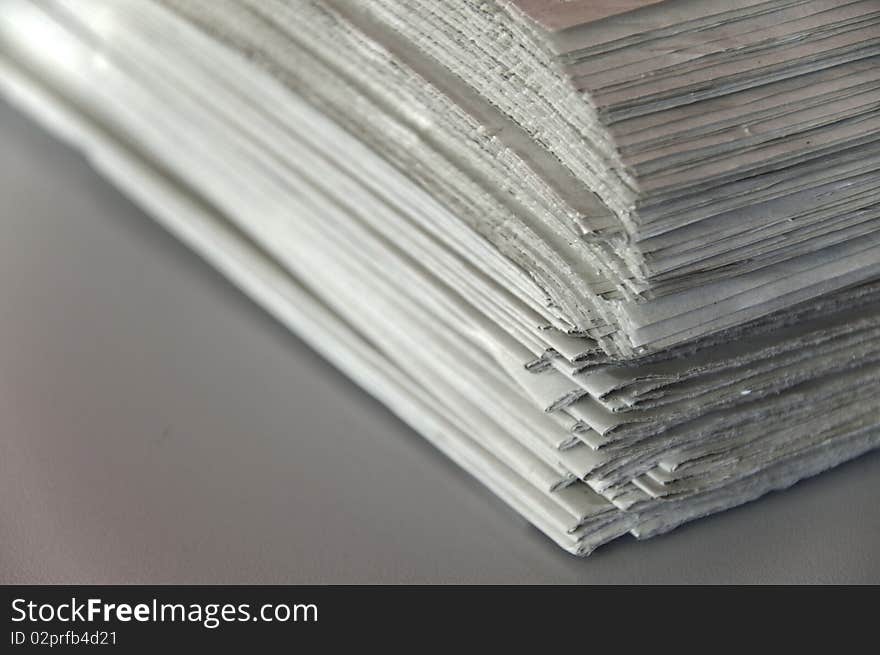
157, 427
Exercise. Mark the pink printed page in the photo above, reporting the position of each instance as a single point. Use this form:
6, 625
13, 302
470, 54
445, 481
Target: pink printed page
562, 14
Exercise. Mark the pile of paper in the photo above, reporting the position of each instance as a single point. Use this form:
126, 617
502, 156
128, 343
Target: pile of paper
619, 260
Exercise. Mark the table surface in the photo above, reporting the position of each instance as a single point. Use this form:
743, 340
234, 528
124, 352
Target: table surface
158, 427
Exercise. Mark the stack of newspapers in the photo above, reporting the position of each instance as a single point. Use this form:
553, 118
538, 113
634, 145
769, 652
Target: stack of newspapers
618, 259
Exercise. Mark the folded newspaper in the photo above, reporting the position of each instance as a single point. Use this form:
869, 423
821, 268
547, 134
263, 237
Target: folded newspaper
618, 259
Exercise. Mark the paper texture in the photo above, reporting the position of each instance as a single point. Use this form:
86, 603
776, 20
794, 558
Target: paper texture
619, 260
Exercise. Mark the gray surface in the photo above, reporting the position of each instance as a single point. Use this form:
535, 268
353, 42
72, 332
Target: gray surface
157, 427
